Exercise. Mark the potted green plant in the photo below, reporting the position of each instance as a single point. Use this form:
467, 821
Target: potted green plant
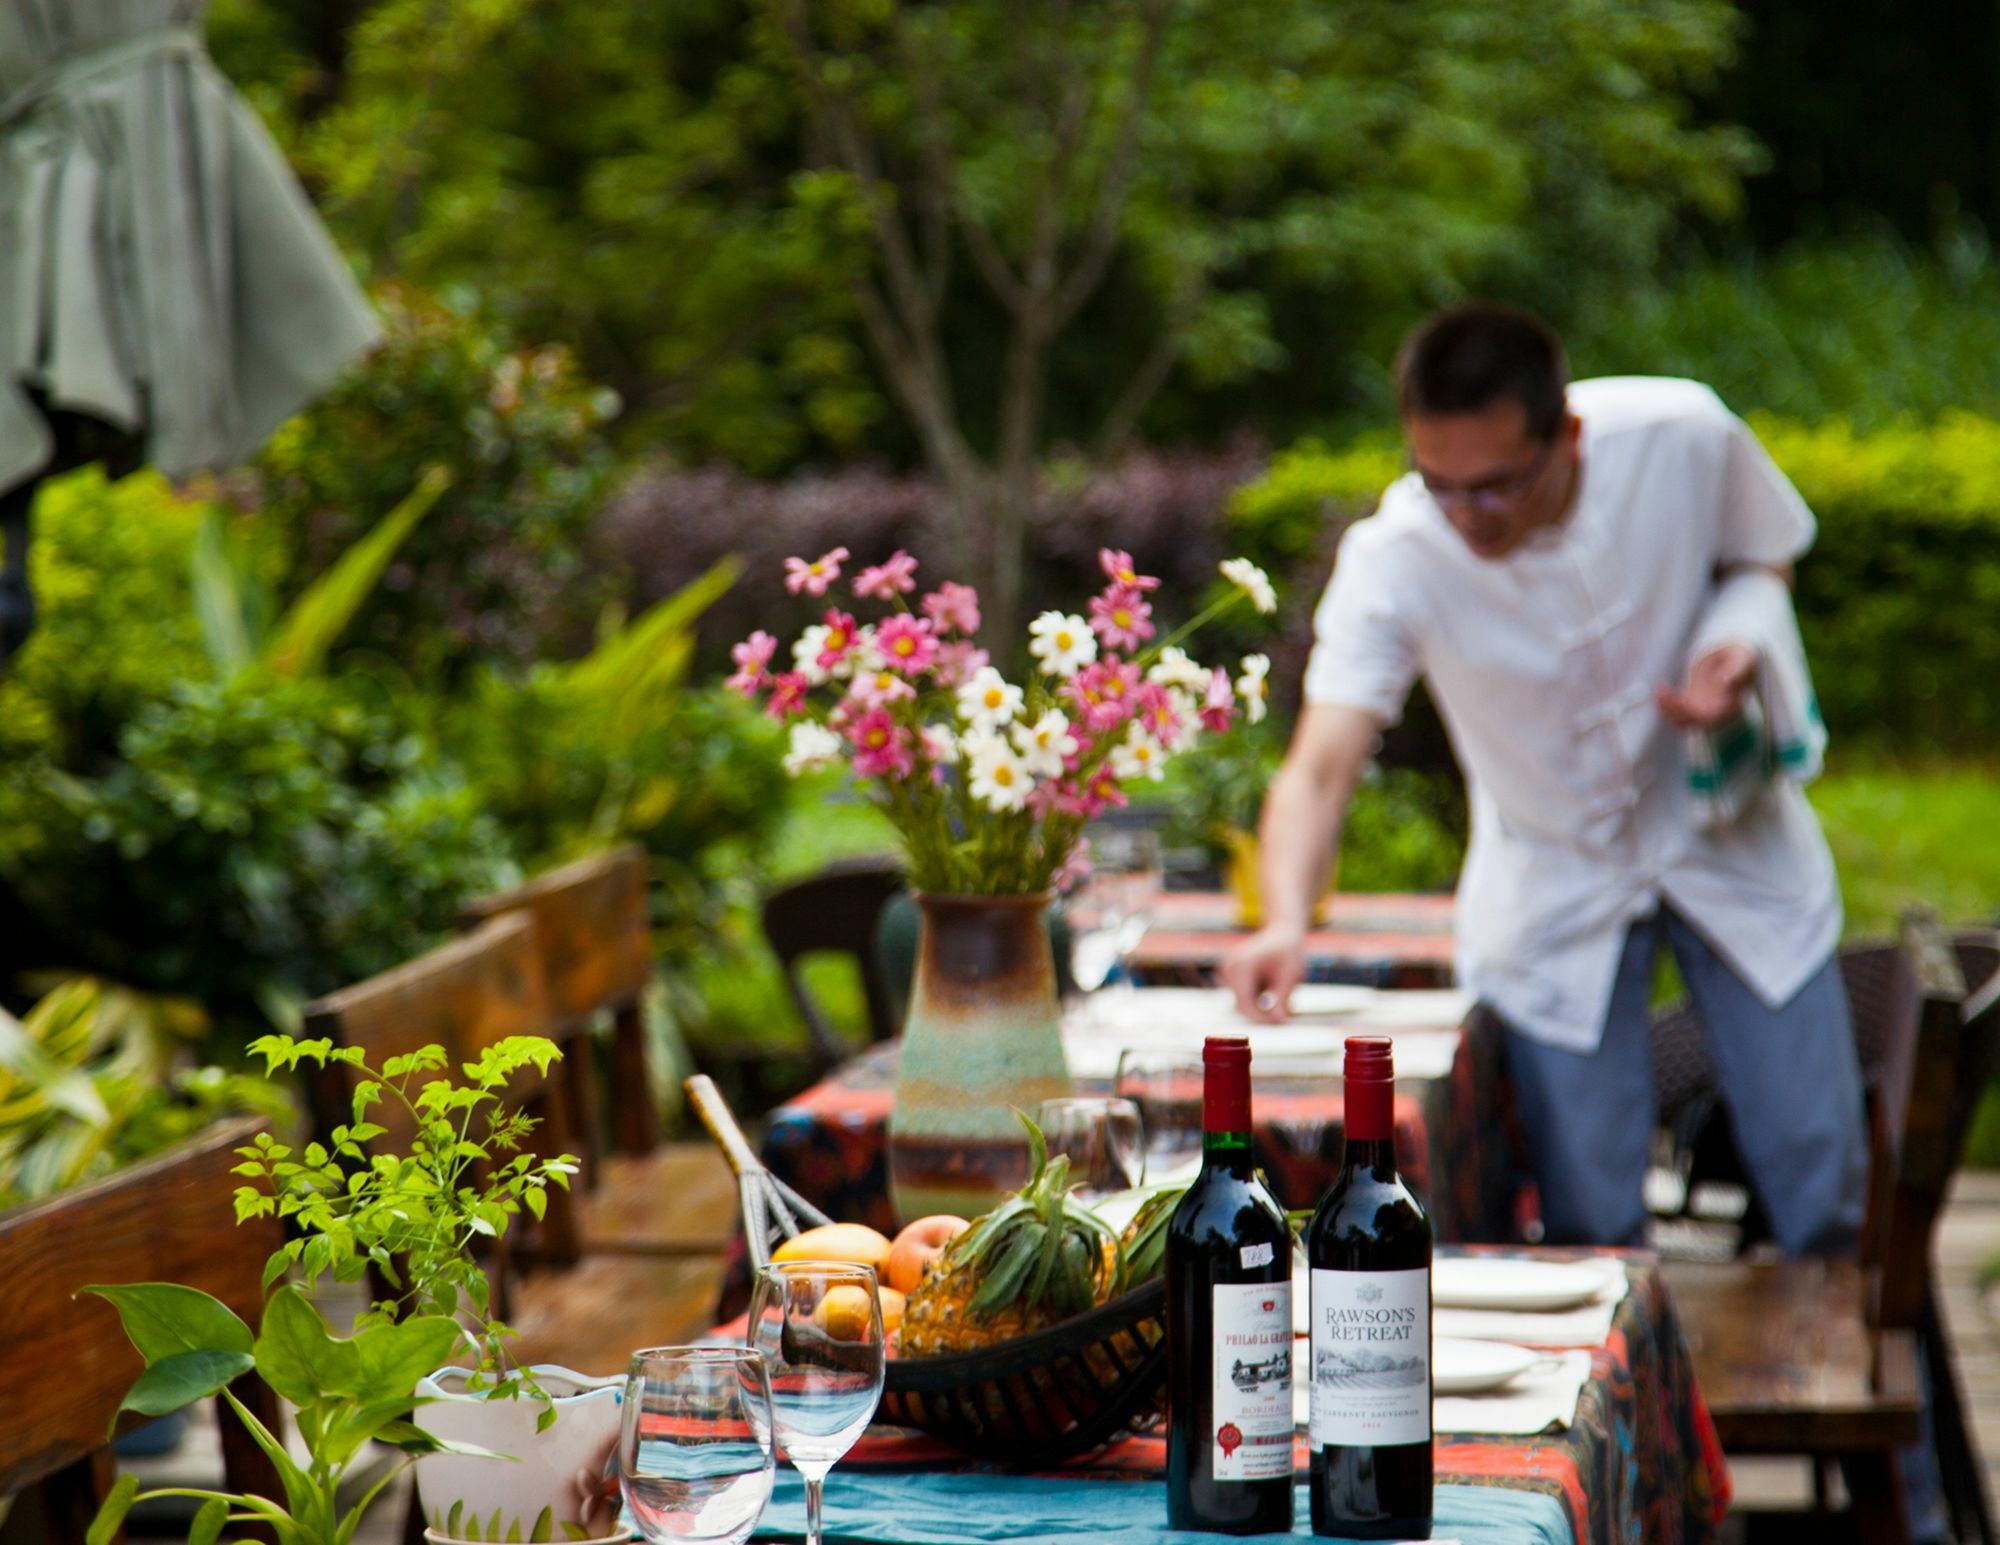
413, 1218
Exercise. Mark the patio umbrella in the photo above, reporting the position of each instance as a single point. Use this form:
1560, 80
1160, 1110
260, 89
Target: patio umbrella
166, 291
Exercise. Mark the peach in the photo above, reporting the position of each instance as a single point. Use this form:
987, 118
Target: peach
917, 1246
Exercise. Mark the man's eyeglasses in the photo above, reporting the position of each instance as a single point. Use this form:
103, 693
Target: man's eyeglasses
1496, 494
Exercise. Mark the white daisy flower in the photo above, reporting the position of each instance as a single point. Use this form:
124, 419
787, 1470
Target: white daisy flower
806, 653
1253, 582
1138, 756
812, 746
1187, 719
987, 700
1064, 644
1000, 779
1045, 743
1175, 669
1252, 690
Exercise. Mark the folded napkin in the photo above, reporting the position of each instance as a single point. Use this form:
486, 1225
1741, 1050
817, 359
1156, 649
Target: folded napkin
1587, 1325
954, 1508
1780, 732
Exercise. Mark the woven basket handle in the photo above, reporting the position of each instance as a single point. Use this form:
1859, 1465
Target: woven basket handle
716, 1115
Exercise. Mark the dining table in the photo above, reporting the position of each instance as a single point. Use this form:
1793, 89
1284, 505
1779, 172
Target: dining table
1452, 1116
1379, 939
1603, 1440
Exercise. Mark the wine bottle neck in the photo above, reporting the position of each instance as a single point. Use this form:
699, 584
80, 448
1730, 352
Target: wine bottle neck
1229, 1151
1372, 1153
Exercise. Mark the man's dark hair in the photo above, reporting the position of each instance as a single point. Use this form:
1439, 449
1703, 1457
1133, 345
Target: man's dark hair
1469, 357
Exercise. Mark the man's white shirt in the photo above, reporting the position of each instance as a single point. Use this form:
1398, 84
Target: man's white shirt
1543, 665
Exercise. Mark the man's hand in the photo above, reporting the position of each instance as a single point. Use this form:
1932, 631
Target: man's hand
1263, 970
1714, 692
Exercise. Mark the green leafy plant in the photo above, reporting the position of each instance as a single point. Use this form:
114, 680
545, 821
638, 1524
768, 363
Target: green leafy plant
413, 1217
92, 1077
347, 1391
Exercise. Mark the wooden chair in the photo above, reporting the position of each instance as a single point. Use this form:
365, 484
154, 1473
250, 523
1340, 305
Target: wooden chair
584, 1310
1819, 1357
835, 911
594, 933
65, 1362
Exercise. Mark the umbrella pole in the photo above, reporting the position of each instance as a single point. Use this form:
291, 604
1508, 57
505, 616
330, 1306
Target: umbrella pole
17, 602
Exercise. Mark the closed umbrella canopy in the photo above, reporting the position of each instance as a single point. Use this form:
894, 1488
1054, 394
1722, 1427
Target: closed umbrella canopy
160, 269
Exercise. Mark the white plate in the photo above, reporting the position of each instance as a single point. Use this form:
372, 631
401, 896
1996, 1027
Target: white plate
1483, 1282
1476, 1367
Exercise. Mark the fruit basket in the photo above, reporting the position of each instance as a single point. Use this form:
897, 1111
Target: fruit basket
1044, 1397
1044, 1394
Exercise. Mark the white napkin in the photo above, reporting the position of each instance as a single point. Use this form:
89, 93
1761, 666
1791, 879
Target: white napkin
1587, 1325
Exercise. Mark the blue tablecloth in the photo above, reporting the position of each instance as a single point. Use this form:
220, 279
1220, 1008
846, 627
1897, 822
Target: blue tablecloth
956, 1509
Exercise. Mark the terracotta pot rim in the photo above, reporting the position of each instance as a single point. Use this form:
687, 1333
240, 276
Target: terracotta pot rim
966, 898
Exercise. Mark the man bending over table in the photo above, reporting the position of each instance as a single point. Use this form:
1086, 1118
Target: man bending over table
1585, 574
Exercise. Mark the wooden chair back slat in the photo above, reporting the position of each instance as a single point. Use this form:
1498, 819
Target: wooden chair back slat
1919, 1097
835, 910
463, 996
65, 1362
591, 920
594, 928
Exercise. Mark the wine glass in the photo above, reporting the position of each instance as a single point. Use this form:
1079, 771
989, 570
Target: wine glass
1167, 1087
1113, 908
819, 1326
694, 1443
1101, 1133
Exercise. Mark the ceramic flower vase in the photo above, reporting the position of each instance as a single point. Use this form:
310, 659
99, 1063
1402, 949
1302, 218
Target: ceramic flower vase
983, 1038
554, 1487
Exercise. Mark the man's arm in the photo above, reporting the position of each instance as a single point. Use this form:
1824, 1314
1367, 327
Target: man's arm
1716, 683
1303, 812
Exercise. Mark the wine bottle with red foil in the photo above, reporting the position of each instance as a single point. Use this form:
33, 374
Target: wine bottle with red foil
1229, 1325
1368, 1251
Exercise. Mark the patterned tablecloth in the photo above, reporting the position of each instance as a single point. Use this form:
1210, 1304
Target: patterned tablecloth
830, 1144
1638, 1461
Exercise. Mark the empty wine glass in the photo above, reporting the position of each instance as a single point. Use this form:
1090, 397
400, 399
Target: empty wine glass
819, 1326
1166, 1086
1112, 909
694, 1443
1102, 1136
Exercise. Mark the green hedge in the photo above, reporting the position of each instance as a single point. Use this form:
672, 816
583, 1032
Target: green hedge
1899, 599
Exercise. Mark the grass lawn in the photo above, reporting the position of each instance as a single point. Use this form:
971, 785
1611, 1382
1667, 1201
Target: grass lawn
1904, 832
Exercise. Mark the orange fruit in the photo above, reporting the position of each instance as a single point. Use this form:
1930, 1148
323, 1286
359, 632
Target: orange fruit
917, 1246
844, 1313
893, 1304
855, 1242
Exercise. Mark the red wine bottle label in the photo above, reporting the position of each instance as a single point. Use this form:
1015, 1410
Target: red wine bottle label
1371, 1357
1253, 1381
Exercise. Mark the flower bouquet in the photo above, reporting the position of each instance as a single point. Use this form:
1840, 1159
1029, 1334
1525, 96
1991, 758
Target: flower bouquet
990, 782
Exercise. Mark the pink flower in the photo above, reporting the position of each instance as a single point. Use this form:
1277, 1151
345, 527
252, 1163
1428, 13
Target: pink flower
1219, 706
958, 662
1118, 569
839, 640
814, 577
894, 576
788, 694
953, 605
1102, 694
751, 656
907, 644
1119, 617
1154, 710
1074, 869
875, 689
881, 746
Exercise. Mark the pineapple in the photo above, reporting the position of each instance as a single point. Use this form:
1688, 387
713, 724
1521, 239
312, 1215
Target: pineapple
1142, 1248
1038, 1258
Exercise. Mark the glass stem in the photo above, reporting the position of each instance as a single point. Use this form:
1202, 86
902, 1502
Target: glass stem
812, 1509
